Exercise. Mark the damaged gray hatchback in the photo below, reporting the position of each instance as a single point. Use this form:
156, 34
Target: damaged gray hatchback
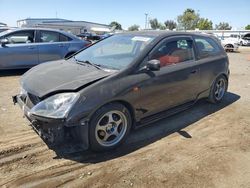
124, 81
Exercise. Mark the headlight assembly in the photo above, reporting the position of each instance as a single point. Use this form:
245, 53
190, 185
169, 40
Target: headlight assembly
56, 106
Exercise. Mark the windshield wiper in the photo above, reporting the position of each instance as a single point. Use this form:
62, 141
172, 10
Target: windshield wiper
87, 62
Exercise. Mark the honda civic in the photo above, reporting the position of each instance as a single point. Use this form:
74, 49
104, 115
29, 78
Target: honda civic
127, 80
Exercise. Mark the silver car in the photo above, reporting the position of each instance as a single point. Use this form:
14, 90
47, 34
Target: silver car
24, 48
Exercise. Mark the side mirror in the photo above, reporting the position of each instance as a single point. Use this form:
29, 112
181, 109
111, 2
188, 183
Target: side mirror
153, 65
4, 42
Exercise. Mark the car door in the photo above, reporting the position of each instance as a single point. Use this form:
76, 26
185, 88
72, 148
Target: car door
20, 52
212, 60
177, 81
50, 47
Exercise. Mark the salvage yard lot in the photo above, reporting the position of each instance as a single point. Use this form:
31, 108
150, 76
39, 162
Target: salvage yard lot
205, 146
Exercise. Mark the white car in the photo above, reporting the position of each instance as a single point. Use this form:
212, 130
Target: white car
243, 40
230, 44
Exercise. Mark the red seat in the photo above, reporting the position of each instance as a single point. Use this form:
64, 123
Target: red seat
168, 60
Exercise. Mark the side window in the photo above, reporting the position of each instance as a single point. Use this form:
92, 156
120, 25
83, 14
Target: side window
206, 47
174, 52
21, 37
49, 36
64, 38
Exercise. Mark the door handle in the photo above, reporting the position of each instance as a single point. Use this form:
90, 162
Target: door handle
193, 71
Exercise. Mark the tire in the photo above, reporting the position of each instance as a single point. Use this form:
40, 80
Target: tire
218, 89
109, 127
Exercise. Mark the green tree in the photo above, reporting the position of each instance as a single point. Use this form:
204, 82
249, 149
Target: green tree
134, 27
223, 26
162, 26
189, 19
247, 27
170, 24
205, 24
116, 25
154, 23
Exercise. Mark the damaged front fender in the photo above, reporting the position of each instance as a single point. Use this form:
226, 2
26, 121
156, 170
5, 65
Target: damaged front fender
55, 132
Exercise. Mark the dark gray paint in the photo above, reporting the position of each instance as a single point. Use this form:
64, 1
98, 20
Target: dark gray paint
157, 90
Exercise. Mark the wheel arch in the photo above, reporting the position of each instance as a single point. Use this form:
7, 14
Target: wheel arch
228, 44
220, 74
124, 103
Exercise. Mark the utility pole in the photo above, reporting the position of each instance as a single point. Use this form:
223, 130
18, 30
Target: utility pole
146, 20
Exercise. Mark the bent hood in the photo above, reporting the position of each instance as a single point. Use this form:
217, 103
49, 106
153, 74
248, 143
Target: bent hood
60, 75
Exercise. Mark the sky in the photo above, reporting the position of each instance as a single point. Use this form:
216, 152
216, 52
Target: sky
126, 12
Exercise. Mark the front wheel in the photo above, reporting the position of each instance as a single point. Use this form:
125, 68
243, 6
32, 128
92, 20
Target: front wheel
109, 127
218, 89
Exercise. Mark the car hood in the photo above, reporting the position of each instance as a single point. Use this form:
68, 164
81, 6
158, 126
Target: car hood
62, 75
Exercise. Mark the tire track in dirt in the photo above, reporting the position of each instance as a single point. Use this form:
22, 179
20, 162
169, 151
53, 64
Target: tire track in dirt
46, 176
6, 160
14, 136
16, 148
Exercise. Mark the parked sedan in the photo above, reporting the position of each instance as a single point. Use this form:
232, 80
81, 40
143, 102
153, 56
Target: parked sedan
24, 48
124, 81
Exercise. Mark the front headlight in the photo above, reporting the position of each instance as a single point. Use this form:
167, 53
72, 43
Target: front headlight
56, 106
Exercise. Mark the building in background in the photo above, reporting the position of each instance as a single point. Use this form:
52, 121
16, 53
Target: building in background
74, 27
3, 24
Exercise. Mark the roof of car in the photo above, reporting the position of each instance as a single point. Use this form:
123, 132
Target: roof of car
38, 28
157, 33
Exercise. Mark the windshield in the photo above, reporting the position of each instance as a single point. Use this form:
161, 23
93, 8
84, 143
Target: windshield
115, 52
5, 32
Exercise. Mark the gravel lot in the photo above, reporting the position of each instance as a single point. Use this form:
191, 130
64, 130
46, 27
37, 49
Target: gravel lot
205, 146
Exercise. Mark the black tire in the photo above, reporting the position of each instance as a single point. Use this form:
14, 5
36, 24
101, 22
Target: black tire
97, 137
214, 97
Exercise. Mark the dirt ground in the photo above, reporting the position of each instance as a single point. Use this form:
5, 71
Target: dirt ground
205, 146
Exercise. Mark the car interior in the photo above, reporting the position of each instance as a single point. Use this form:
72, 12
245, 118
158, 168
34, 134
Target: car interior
21, 37
174, 52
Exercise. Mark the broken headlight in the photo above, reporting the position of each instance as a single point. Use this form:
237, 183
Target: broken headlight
56, 106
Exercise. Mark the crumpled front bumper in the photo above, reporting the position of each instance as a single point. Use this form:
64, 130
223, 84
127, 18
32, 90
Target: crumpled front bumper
54, 131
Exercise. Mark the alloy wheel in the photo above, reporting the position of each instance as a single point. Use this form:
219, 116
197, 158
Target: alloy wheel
111, 128
220, 89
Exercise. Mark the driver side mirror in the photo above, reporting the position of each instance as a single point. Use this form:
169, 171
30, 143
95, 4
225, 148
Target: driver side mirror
153, 65
4, 42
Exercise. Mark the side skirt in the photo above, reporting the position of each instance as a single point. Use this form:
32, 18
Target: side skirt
164, 114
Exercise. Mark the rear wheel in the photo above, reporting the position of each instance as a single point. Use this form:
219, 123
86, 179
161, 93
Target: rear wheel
218, 89
109, 127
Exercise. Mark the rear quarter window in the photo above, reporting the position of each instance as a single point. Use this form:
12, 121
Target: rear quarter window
64, 38
206, 47
49, 36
